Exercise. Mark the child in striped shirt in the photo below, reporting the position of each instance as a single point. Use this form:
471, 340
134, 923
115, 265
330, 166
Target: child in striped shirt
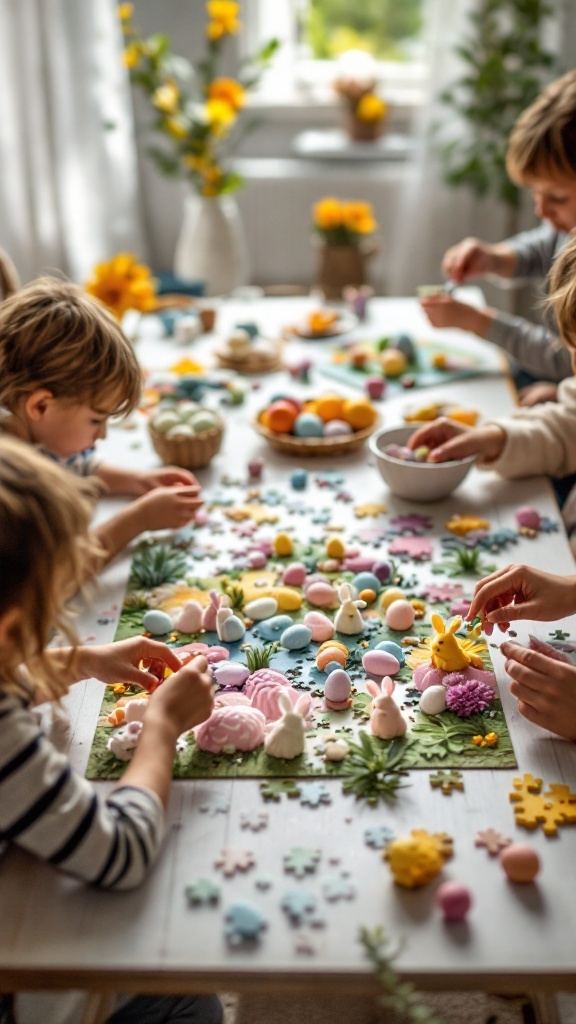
65, 368
45, 807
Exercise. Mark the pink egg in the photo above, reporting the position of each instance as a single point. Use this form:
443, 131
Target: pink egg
337, 687
400, 615
256, 560
528, 516
427, 675
520, 862
294, 574
322, 595
336, 428
380, 663
454, 899
321, 626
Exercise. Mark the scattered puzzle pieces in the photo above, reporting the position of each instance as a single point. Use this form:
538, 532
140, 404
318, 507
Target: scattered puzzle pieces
378, 836
201, 892
215, 804
493, 841
446, 781
557, 806
272, 789
301, 860
256, 820
243, 922
338, 887
369, 508
232, 861
314, 794
298, 905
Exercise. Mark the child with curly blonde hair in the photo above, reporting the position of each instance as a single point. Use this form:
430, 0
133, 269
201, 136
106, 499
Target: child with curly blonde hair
65, 368
45, 807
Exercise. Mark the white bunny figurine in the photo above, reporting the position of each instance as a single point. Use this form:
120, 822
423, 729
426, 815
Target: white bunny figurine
228, 626
348, 619
286, 736
386, 719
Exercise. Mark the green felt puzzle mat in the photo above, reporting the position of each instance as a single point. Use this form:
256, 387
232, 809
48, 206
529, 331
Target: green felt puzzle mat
216, 553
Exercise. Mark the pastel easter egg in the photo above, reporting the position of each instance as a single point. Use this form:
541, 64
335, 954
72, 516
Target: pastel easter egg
382, 570
528, 517
308, 424
375, 387
231, 673
156, 622
335, 547
282, 544
403, 343
289, 600
337, 686
380, 663
256, 559
400, 616
296, 637
322, 595
187, 409
366, 581
392, 648
334, 643
332, 666
369, 596
454, 900
390, 595
359, 563
272, 629
261, 608
180, 430
393, 362
328, 655
321, 626
433, 700
520, 862
294, 574
203, 421
163, 421
337, 428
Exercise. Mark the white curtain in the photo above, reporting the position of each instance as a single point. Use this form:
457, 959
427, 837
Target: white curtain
68, 180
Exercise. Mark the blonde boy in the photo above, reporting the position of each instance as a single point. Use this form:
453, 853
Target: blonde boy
65, 368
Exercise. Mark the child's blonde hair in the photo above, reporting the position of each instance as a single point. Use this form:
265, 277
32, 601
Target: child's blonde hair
55, 336
543, 141
562, 292
45, 554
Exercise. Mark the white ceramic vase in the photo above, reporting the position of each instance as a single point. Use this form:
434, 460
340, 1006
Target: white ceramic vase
211, 246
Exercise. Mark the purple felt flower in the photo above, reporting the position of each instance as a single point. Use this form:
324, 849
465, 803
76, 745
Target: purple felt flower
467, 698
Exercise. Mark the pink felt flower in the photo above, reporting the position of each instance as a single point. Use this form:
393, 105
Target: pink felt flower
468, 697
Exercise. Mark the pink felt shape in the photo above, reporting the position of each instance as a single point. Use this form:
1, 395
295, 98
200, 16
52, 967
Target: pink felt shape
321, 626
237, 727
418, 548
265, 699
386, 719
264, 677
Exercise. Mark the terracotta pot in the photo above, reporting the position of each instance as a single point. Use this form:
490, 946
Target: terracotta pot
339, 266
362, 131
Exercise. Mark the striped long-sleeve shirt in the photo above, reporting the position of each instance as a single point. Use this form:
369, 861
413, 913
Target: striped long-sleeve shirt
51, 811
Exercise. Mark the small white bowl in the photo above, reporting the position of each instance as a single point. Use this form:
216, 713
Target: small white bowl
416, 481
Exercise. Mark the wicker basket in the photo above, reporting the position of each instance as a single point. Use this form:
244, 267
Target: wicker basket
314, 446
254, 362
187, 452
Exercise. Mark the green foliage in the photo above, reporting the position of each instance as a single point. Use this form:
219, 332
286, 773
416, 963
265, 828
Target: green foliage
236, 594
505, 67
397, 995
156, 564
464, 561
374, 772
258, 657
379, 27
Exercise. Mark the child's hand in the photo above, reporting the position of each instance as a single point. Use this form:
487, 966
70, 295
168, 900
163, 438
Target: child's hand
120, 662
186, 698
545, 689
448, 439
534, 394
520, 592
468, 258
167, 508
444, 311
166, 476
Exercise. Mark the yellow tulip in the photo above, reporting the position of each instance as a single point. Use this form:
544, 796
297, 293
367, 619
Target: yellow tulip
328, 214
229, 91
220, 115
121, 283
223, 13
358, 217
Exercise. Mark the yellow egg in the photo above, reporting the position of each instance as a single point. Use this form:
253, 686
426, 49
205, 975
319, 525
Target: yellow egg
393, 362
288, 600
367, 595
335, 548
282, 544
390, 595
359, 413
329, 407
333, 643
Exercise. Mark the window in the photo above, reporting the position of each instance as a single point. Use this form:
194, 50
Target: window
316, 33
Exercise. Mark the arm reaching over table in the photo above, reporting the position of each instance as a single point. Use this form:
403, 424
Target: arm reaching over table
449, 440
521, 592
544, 688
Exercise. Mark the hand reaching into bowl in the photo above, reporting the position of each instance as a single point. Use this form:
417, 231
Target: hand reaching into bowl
449, 440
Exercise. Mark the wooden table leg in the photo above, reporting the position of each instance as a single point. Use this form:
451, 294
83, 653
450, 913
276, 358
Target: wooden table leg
99, 1006
545, 1007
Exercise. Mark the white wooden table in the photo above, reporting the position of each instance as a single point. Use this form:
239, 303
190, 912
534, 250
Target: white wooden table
55, 933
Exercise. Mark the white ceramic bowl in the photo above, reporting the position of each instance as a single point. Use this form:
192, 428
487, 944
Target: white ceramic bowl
416, 481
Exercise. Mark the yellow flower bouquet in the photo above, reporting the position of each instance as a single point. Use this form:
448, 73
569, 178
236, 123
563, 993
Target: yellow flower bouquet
343, 222
122, 283
196, 110
365, 111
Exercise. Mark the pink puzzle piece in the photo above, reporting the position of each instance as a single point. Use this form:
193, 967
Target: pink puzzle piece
418, 548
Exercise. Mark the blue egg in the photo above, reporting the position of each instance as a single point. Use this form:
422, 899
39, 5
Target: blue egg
299, 479
156, 622
405, 345
367, 581
296, 637
391, 648
332, 666
308, 424
272, 629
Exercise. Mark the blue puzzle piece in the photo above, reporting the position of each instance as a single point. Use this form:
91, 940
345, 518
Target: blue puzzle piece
243, 922
378, 836
298, 905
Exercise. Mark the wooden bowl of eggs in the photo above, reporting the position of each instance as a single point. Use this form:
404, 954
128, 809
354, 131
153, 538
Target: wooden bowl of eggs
326, 425
186, 434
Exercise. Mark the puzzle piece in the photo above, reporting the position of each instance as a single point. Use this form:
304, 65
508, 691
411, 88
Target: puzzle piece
307, 944
463, 524
338, 887
446, 781
298, 905
215, 804
314, 794
258, 513
378, 836
272, 789
493, 841
418, 548
369, 508
256, 820
301, 860
243, 922
232, 861
557, 806
412, 522
202, 891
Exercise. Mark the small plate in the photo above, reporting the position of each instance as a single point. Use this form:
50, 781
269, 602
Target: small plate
346, 322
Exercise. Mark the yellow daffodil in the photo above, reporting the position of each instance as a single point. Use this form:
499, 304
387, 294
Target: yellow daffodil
121, 283
131, 55
223, 16
358, 217
220, 115
328, 214
167, 97
370, 108
177, 127
125, 11
229, 91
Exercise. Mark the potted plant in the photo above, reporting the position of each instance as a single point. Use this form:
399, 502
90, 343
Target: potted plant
344, 228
